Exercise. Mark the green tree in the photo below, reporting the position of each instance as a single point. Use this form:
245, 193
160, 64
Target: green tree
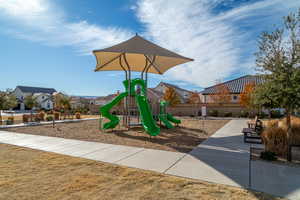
65, 104
278, 59
2, 104
7, 101
30, 102
11, 101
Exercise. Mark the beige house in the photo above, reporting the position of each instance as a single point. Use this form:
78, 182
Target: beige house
234, 88
183, 94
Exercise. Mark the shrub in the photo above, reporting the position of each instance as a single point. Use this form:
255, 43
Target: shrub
262, 115
276, 114
270, 123
50, 112
213, 113
36, 117
10, 120
49, 118
268, 155
77, 115
275, 140
42, 115
228, 114
244, 114
26, 118
56, 115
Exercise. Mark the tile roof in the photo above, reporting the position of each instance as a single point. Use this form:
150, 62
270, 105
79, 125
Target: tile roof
28, 89
235, 86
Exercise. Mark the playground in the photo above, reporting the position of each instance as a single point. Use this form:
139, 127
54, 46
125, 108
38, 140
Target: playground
179, 139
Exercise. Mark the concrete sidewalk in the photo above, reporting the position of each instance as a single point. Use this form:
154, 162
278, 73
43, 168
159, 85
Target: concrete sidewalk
223, 158
149, 159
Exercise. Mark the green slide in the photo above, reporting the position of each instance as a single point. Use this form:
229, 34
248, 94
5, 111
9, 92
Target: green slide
104, 110
147, 119
173, 119
164, 119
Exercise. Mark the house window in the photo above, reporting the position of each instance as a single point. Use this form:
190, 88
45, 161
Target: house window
43, 97
48, 105
235, 97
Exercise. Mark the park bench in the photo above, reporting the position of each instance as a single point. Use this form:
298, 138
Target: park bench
252, 133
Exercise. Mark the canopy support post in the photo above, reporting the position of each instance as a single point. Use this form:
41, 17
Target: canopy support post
125, 119
129, 91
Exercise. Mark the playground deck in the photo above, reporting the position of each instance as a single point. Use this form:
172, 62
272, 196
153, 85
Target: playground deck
180, 139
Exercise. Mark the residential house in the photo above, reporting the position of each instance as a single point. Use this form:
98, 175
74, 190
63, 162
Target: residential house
44, 100
43, 95
234, 89
183, 94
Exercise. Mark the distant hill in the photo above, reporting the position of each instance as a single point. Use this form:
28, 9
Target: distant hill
86, 97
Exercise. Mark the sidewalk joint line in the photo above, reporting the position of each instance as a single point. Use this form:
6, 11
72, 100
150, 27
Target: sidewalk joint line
143, 149
174, 163
96, 151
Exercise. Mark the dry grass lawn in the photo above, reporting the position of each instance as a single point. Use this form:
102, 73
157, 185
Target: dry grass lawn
183, 139
35, 175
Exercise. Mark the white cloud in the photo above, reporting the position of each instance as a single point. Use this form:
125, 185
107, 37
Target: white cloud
43, 21
215, 40
219, 42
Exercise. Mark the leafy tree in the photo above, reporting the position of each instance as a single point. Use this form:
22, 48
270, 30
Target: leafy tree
263, 97
278, 59
222, 94
11, 101
194, 98
65, 104
57, 101
2, 104
30, 102
7, 101
171, 96
247, 95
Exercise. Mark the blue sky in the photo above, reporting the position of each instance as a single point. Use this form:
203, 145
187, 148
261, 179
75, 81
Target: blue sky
48, 43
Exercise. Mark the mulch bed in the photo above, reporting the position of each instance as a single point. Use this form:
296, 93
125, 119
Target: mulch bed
181, 139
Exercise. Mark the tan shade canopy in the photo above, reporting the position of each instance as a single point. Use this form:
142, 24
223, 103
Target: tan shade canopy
137, 54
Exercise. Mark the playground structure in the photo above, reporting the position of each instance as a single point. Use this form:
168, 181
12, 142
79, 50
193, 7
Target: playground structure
165, 117
139, 55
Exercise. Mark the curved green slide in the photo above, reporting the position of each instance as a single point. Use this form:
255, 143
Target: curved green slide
104, 110
147, 119
171, 118
163, 118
